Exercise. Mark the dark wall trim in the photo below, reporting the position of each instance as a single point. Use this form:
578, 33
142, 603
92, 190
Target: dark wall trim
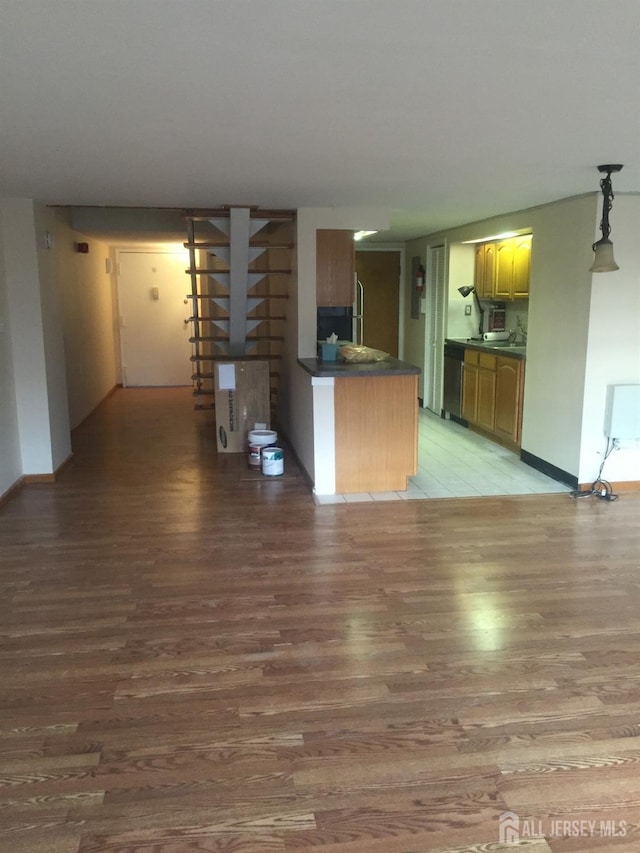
549, 469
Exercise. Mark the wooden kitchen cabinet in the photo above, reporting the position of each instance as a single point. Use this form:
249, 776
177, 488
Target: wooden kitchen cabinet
485, 270
492, 387
486, 391
513, 263
376, 433
508, 404
470, 386
335, 268
521, 267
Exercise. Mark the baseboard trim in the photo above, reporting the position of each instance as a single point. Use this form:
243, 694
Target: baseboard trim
97, 406
303, 470
623, 486
11, 491
29, 479
492, 436
47, 478
63, 464
547, 468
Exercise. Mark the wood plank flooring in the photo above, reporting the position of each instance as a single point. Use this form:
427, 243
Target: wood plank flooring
194, 658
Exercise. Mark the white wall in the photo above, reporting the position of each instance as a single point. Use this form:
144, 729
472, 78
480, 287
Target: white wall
558, 320
414, 329
461, 271
36, 337
10, 460
558, 330
613, 351
87, 298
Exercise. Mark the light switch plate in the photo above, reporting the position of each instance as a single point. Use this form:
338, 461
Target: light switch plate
467, 310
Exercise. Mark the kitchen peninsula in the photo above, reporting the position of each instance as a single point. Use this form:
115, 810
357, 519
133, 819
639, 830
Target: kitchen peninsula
365, 424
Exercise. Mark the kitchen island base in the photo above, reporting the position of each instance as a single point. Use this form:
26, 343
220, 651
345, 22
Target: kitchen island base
376, 433
365, 425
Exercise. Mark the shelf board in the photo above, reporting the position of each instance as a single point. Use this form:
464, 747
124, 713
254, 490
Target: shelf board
225, 338
202, 357
226, 296
198, 271
259, 244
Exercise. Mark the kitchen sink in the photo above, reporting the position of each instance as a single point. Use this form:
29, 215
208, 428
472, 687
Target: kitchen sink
516, 349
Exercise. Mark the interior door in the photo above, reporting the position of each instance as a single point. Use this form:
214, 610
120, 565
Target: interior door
155, 339
379, 274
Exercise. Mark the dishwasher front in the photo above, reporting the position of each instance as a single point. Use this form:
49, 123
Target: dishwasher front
452, 389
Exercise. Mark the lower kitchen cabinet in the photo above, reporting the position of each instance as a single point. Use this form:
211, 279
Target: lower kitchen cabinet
492, 388
376, 433
486, 391
508, 409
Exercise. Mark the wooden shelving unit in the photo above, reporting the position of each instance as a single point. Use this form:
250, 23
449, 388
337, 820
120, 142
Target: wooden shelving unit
240, 263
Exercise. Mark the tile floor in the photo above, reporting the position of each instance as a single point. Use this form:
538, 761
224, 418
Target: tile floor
454, 462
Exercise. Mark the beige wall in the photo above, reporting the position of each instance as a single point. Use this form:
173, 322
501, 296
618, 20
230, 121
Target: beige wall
566, 361
87, 294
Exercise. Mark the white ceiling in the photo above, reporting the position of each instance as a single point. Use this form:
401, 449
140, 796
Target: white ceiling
445, 111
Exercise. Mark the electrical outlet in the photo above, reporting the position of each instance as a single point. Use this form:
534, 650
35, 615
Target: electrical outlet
467, 310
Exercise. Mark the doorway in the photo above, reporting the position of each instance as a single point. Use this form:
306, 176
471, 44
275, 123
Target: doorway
435, 329
154, 335
379, 274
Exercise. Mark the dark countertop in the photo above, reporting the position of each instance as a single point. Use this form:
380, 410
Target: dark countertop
388, 367
492, 346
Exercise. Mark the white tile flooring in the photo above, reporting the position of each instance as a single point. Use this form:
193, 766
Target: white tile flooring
454, 462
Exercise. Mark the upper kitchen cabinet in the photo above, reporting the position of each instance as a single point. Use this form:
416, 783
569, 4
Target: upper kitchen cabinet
485, 270
521, 267
335, 267
513, 263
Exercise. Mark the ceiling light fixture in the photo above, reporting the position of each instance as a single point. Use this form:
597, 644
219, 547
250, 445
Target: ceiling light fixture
603, 260
360, 234
503, 236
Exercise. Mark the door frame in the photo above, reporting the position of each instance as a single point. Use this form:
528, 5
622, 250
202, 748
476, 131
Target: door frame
393, 247
435, 332
139, 249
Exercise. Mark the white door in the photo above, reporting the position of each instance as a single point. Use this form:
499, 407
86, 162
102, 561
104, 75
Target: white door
152, 287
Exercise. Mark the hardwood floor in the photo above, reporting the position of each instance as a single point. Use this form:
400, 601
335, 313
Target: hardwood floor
194, 658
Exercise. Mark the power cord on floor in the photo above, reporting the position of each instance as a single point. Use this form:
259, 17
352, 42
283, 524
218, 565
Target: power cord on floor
600, 488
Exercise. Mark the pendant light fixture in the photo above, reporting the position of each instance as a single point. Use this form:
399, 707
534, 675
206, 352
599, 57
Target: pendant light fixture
603, 260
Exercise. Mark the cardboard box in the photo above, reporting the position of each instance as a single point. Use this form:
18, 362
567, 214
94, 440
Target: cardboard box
242, 400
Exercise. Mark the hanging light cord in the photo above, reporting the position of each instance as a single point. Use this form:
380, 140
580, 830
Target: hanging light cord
600, 488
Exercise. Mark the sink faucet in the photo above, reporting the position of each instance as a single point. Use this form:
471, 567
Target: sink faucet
520, 328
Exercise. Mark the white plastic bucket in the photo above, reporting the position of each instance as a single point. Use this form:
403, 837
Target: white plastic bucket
272, 461
262, 437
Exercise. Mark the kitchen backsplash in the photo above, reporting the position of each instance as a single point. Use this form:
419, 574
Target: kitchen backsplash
460, 325
517, 309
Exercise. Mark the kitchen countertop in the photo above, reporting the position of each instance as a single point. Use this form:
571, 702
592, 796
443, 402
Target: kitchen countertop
498, 347
388, 367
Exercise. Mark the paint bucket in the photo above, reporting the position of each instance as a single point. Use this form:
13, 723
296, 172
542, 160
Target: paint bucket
255, 460
272, 461
262, 437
